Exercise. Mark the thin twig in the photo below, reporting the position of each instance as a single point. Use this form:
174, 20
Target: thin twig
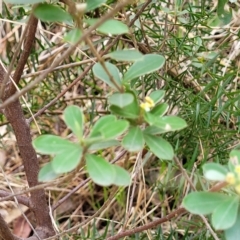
8, 196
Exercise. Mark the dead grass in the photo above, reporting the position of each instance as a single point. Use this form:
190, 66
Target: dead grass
203, 95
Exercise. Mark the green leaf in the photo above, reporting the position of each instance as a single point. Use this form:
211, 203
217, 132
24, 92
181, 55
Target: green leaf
160, 147
149, 118
217, 21
67, 160
214, 171
225, 215
134, 140
149, 63
74, 118
170, 123
102, 123
130, 111
102, 172
103, 145
115, 129
50, 13
226, 17
233, 232
92, 4
109, 127
23, 1
122, 177
110, 26
203, 202
157, 96
73, 36
100, 73
126, 55
50, 144
152, 130
113, 27
235, 157
159, 110
125, 112
220, 8
47, 173
121, 99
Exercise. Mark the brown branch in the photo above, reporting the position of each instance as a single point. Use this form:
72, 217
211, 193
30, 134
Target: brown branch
10, 67
38, 203
23, 200
153, 224
14, 114
30, 36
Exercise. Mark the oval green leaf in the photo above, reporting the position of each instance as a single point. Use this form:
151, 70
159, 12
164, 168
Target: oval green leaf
102, 172
103, 145
170, 123
233, 232
74, 118
113, 27
149, 118
127, 113
214, 171
51, 13
100, 73
160, 110
203, 202
157, 96
110, 26
152, 130
92, 4
126, 55
109, 127
50, 144
67, 160
121, 99
115, 129
225, 215
134, 140
102, 123
73, 36
149, 63
131, 111
47, 173
122, 177
160, 147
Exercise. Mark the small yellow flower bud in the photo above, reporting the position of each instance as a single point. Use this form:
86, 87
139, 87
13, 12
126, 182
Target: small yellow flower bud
230, 178
148, 104
145, 106
149, 101
201, 59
